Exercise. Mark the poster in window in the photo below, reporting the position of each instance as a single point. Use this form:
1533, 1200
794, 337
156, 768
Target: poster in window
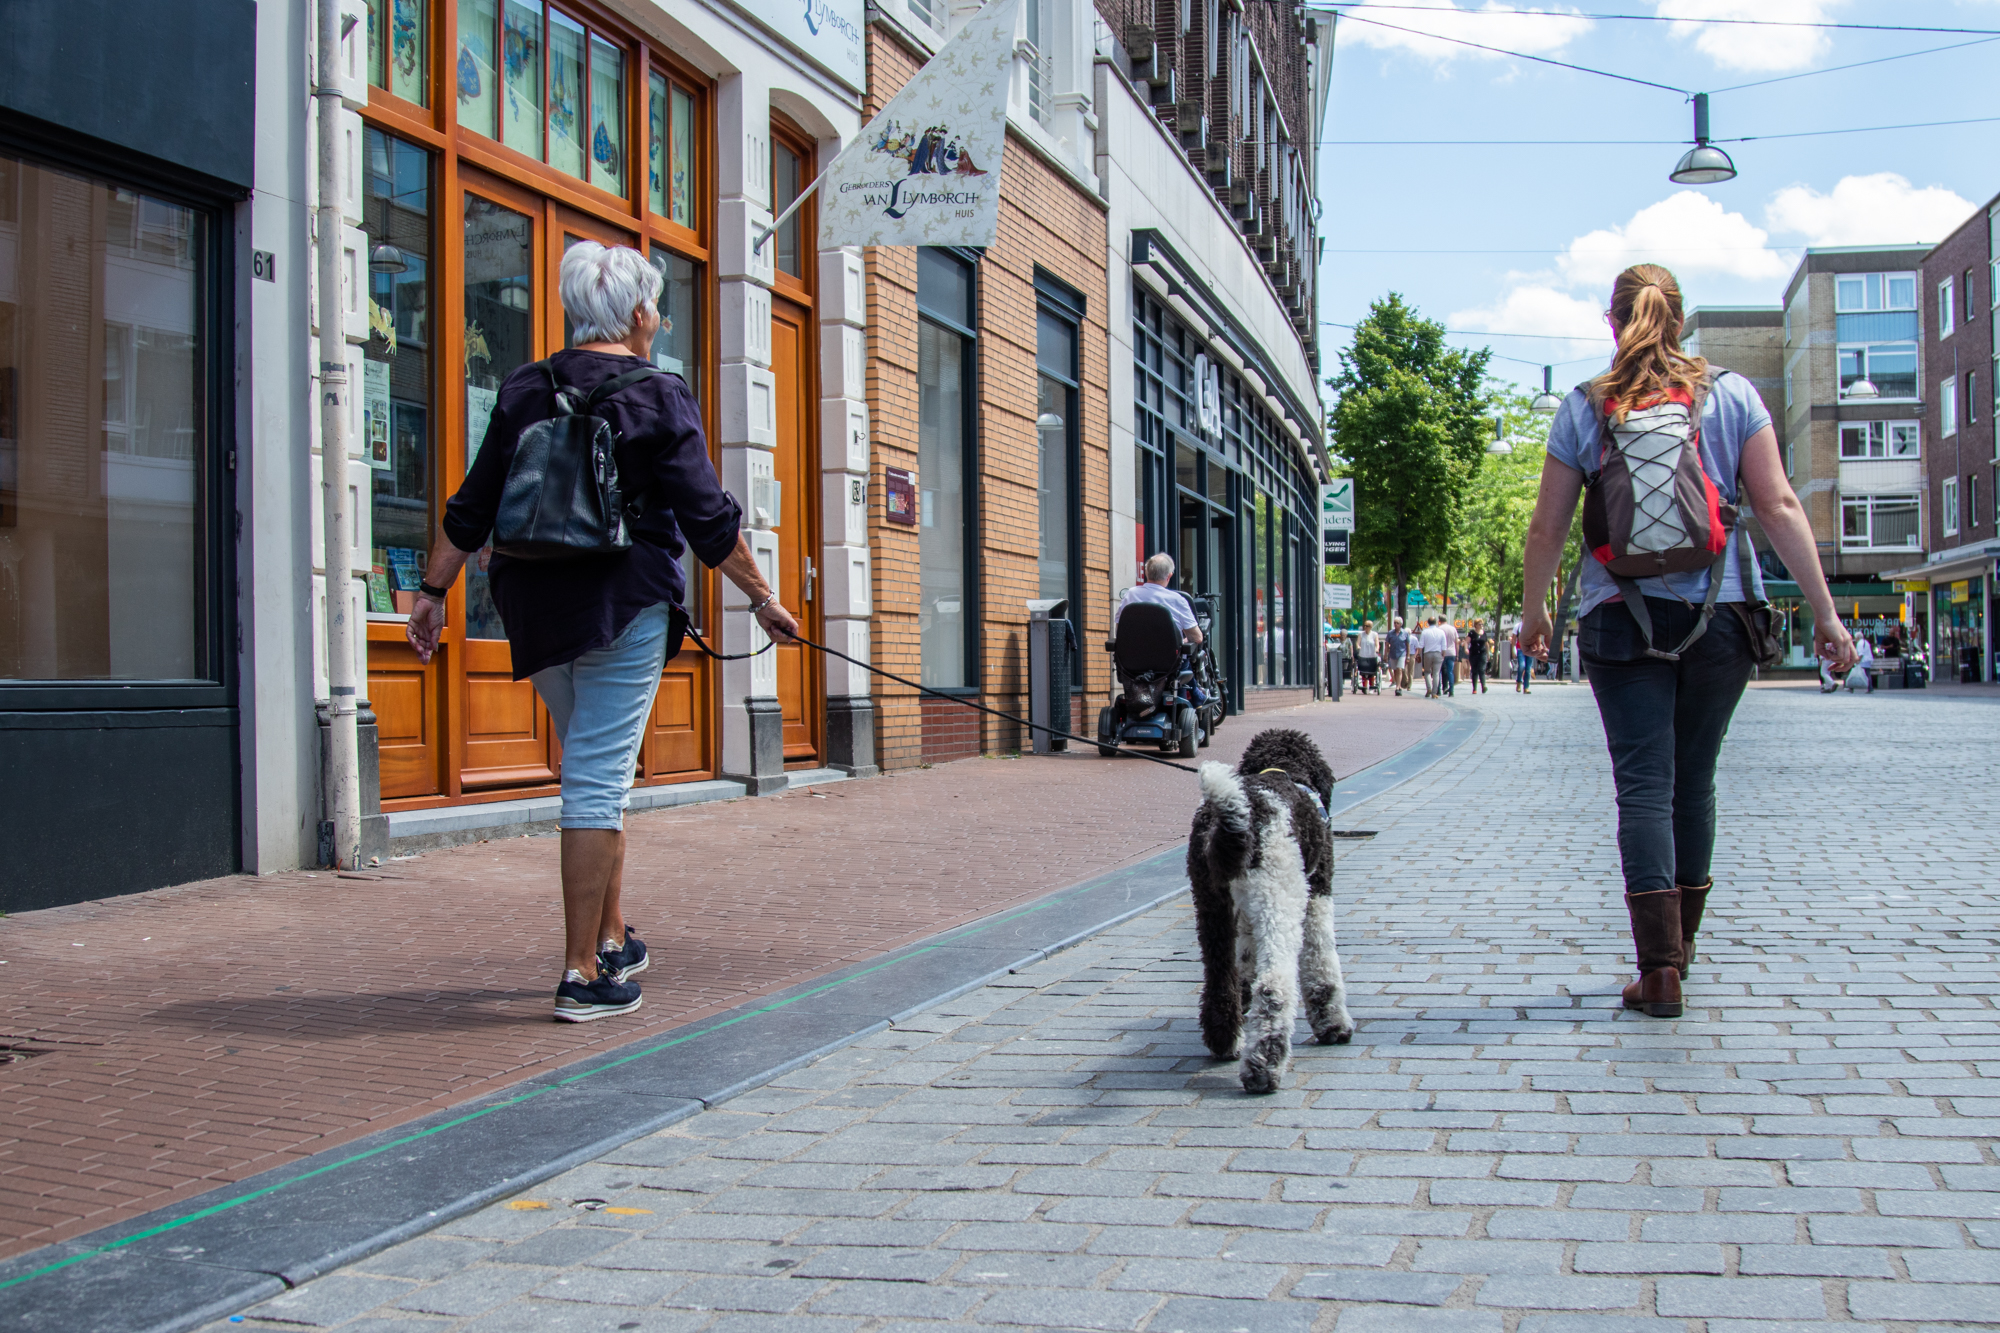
375, 413
900, 488
478, 412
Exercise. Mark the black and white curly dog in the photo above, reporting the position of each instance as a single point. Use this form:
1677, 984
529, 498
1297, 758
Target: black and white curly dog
1260, 859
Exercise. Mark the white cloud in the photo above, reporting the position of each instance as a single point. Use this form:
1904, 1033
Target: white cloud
1536, 308
1882, 209
1687, 231
1753, 48
1516, 28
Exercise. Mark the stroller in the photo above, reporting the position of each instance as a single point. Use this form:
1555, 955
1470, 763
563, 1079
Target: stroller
1157, 699
1213, 707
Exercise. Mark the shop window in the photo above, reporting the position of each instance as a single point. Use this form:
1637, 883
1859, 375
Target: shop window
1878, 439
670, 170
399, 48
1878, 522
499, 339
1056, 453
508, 52
104, 433
1260, 592
945, 358
677, 349
396, 368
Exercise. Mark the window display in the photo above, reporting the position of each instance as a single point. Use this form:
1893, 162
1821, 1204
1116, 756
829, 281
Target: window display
396, 367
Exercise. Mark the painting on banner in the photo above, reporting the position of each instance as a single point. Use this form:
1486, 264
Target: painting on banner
926, 170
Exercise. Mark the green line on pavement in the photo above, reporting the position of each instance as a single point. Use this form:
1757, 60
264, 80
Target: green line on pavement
228, 1204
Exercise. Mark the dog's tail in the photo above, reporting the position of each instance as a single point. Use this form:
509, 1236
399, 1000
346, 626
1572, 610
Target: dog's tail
1228, 842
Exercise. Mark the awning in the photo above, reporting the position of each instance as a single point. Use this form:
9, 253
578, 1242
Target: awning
1957, 563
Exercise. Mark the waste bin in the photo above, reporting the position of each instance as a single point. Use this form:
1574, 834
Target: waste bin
1050, 650
1335, 666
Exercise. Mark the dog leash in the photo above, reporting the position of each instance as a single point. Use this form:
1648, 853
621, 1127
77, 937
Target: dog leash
702, 644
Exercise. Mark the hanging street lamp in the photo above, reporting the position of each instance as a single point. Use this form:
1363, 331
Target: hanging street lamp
1703, 164
1500, 445
1546, 403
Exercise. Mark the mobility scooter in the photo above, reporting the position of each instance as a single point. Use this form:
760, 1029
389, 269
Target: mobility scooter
1165, 699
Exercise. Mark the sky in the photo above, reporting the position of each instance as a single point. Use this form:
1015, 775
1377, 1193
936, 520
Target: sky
1516, 244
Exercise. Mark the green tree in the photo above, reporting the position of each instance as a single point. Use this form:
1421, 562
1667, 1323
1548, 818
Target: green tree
1411, 419
1499, 503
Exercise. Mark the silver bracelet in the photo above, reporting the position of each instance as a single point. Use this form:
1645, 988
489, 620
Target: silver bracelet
766, 602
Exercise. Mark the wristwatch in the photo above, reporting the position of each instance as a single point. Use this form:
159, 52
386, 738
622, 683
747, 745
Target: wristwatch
427, 590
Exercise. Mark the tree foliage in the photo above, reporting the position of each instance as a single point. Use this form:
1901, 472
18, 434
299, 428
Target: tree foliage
1498, 505
1412, 422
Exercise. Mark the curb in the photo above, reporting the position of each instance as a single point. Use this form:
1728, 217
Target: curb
185, 1265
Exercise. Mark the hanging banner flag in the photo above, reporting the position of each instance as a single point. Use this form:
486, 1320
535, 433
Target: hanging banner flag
926, 170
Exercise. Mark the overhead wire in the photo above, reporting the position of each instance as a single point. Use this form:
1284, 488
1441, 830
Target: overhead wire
1517, 55
1552, 143
1859, 64
1343, 10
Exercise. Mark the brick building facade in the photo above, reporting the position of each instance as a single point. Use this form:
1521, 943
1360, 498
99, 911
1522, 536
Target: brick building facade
1000, 330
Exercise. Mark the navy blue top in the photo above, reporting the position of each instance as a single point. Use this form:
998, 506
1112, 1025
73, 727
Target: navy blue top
555, 611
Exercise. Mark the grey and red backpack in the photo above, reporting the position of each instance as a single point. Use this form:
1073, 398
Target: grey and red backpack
1652, 509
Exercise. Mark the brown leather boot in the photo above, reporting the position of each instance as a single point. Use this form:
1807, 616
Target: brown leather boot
1656, 931
1693, 900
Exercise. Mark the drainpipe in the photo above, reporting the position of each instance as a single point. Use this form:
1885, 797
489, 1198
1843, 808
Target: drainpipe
341, 825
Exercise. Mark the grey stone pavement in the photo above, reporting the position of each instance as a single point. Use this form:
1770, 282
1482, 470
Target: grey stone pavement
1501, 1148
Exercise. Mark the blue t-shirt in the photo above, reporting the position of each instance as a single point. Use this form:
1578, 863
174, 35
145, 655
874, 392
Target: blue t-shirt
1730, 415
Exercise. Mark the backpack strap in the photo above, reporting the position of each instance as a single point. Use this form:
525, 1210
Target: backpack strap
1635, 602
618, 384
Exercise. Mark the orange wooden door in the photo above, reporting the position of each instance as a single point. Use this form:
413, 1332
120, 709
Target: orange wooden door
796, 467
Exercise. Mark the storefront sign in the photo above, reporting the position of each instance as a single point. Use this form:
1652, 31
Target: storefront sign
1913, 585
1961, 591
1335, 546
1336, 506
900, 488
1339, 597
828, 31
926, 170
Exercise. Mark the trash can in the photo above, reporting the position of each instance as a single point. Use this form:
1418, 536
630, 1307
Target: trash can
1335, 666
1050, 649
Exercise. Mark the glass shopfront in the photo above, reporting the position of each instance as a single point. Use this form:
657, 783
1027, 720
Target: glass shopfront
499, 133
1222, 490
1960, 608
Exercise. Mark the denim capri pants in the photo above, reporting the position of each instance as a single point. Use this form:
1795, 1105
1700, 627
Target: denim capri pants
601, 703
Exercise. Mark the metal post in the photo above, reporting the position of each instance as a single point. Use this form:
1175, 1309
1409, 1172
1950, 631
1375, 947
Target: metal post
342, 824
1040, 613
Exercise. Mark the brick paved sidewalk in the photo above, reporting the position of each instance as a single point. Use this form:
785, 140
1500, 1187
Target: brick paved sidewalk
1502, 1148
201, 1034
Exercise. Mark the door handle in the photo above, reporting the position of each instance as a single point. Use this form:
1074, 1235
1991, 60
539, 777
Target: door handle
812, 575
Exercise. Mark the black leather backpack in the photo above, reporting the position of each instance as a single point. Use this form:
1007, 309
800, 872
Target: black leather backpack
562, 499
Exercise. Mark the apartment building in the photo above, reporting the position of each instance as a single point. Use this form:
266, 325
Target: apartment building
1852, 426
1951, 591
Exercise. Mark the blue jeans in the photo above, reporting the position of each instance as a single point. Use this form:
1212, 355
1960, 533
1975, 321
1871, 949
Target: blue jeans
1448, 674
1664, 723
601, 703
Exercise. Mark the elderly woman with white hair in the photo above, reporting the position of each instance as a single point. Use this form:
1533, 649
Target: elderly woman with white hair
592, 632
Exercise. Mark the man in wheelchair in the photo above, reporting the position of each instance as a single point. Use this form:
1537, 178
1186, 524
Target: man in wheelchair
1158, 650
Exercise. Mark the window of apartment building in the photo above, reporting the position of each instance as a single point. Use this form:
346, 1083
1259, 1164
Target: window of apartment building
1875, 325
945, 509
1944, 308
1948, 408
1966, 306
1948, 505
1971, 397
108, 513
1791, 461
1972, 499
1788, 389
1878, 439
1878, 522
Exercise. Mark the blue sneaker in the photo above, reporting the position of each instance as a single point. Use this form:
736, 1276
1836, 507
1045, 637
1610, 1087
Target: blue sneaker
626, 963
580, 1001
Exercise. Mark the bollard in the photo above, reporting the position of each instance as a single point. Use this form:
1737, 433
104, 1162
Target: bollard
1047, 624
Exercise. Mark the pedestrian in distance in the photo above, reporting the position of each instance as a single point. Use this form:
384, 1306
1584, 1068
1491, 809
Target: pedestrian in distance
1475, 656
592, 631
1665, 709
1397, 644
1431, 645
1448, 667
